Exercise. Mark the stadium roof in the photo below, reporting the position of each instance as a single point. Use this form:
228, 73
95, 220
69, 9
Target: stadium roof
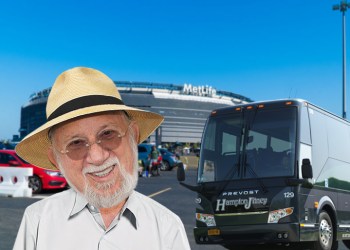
148, 86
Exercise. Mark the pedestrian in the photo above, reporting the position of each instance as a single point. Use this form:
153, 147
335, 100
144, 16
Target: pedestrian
148, 166
91, 136
154, 161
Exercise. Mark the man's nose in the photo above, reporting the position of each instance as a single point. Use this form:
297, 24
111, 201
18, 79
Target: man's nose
97, 154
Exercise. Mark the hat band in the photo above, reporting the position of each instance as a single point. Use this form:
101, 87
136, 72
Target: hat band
84, 102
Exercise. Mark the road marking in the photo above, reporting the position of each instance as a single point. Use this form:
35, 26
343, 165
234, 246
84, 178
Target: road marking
39, 196
161, 191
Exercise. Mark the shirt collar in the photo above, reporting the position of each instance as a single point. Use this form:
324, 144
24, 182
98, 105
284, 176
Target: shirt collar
132, 208
78, 205
128, 211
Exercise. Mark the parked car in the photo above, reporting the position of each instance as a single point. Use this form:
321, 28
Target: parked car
42, 179
169, 159
144, 150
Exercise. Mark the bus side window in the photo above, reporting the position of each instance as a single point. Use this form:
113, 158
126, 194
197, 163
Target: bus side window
209, 162
305, 135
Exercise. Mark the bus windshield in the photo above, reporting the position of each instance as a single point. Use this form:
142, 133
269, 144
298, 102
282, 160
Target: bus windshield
250, 144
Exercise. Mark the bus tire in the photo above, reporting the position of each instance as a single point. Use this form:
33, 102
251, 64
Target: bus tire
325, 239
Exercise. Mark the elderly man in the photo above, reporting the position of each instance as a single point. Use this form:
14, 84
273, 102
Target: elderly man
92, 137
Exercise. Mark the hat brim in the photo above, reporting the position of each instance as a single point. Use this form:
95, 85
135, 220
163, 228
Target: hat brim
34, 147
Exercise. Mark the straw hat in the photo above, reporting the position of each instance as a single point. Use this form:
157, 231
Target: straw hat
78, 92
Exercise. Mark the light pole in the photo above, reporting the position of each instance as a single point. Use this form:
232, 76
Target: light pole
343, 6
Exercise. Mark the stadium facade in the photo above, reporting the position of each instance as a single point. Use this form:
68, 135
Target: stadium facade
184, 107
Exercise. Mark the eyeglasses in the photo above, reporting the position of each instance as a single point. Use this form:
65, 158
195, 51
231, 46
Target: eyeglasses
108, 139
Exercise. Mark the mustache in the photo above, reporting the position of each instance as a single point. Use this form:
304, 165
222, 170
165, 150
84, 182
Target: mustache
112, 162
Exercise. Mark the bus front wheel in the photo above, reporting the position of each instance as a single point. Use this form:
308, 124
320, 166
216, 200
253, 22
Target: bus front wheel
325, 240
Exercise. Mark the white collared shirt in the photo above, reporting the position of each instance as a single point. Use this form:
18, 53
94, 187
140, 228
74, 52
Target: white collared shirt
64, 221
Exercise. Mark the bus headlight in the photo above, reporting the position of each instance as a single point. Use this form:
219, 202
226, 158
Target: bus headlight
276, 215
208, 219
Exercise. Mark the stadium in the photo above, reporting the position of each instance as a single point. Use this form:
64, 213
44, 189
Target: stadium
184, 107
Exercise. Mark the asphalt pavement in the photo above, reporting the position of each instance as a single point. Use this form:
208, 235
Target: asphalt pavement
164, 188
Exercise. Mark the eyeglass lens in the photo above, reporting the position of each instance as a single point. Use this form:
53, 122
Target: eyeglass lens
108, 139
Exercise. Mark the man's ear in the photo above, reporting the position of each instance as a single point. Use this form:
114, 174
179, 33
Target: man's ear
136, 133
52, 158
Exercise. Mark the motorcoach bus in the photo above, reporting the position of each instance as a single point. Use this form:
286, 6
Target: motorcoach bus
275, 172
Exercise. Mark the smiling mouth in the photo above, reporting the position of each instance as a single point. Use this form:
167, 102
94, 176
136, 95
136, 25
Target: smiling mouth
104, 172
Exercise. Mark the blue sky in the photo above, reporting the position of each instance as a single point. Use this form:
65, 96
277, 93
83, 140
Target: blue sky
260, 49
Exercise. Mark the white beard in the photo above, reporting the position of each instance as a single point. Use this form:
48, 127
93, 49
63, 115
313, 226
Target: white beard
104, 197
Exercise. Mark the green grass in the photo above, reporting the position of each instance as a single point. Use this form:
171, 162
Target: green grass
191, 161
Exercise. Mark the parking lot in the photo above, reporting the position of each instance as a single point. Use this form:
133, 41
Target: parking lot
165, 189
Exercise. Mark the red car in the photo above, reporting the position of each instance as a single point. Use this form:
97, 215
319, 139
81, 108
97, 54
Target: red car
42, 179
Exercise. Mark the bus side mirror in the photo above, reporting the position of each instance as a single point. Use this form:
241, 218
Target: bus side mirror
306, 169
180, 172
181, 178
